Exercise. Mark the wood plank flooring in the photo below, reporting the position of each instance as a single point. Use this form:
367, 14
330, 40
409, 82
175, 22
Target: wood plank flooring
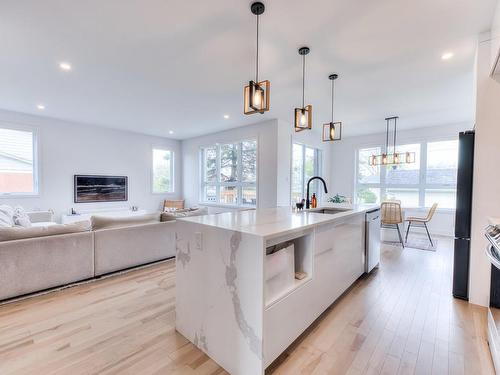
400, 320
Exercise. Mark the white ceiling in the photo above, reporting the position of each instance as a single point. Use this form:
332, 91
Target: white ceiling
152, 66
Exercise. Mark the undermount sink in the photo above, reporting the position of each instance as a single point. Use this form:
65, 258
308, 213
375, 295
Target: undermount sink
329, 211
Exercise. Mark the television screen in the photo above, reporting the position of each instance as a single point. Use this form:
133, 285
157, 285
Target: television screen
100, 188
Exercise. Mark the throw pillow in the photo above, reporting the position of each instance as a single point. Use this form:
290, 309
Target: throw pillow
6, 213
21, 217
171, 216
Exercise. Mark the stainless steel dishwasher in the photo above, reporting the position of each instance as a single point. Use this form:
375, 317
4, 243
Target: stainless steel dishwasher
372, 240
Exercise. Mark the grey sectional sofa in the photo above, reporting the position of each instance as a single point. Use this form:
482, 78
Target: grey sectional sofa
34, 264
50, 260
120, 248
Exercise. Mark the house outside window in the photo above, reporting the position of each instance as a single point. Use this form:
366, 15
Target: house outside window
18, 162
432, 178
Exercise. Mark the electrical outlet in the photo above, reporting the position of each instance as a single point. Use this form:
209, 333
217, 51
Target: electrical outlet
199, 240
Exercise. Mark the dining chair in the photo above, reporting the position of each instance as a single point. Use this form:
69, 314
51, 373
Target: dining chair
177, 204
417, 221
391, 216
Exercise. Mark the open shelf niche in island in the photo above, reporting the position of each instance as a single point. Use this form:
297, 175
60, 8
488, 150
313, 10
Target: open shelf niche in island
286, 256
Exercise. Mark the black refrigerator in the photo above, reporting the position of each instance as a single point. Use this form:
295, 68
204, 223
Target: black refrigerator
463, 213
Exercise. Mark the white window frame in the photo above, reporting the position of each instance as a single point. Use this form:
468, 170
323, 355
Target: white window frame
318, 165
36, 164
422, 186
172, 170
238, 184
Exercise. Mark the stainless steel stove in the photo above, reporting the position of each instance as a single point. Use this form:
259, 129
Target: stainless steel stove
493, 248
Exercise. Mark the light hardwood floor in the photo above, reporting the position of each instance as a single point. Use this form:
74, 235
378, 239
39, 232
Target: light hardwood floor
400, 320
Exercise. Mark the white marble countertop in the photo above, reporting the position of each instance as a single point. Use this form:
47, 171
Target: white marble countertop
269, 222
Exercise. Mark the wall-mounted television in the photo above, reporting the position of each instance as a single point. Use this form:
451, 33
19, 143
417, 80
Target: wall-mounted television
92, 188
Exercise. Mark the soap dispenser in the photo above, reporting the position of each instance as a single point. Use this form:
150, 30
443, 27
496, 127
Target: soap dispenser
314, 201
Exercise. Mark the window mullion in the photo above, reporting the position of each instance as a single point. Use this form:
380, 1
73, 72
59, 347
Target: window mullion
303, 171
217, 179
423, 173
383, 181
239, 173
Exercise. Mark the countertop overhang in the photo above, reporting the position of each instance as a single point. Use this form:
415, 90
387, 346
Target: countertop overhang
269, 222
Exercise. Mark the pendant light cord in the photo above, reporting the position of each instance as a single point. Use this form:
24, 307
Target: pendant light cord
395, 122
257, 59
303, 79
333, 95
387, 136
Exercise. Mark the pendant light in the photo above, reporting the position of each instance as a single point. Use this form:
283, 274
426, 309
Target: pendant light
395, 157
303, 115
333, 130
256, 94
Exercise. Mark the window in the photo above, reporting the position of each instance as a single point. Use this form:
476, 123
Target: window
306, 163
405, 174
229, 174
441, 178
432, 178
163, 171
18, 164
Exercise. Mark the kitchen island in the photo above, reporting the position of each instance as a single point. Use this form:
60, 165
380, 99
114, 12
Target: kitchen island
235, 299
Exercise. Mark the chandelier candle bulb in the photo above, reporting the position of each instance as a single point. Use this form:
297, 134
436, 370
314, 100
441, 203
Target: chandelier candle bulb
394, 158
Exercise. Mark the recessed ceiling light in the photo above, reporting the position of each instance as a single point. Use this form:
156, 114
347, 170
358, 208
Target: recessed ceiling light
226, 116
170, 132
447, 55
65, 66
41, 107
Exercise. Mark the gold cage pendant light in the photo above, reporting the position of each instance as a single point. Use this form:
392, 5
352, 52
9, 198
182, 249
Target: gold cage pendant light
332, 131
256, 93
303, 115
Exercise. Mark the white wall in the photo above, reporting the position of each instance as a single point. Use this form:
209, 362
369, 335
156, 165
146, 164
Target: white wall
274, 155
343, 165
486, 197
266, 135
66, 149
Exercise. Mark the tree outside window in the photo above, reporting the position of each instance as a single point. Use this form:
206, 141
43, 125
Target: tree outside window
229, 174
306, 163
162, 171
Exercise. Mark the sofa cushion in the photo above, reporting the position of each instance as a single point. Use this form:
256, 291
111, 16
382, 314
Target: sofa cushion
41, 216
48, 223
6, 213
170, 216
107, 222
18, 233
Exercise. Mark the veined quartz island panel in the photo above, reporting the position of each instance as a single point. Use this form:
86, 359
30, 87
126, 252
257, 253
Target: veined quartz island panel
221, 304
219, 294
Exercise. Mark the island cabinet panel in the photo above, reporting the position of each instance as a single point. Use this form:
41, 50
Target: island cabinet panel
338, 262
349, 252
339, 258
285, 320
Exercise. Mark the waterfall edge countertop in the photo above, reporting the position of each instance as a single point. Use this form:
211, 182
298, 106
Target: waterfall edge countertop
270, 222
